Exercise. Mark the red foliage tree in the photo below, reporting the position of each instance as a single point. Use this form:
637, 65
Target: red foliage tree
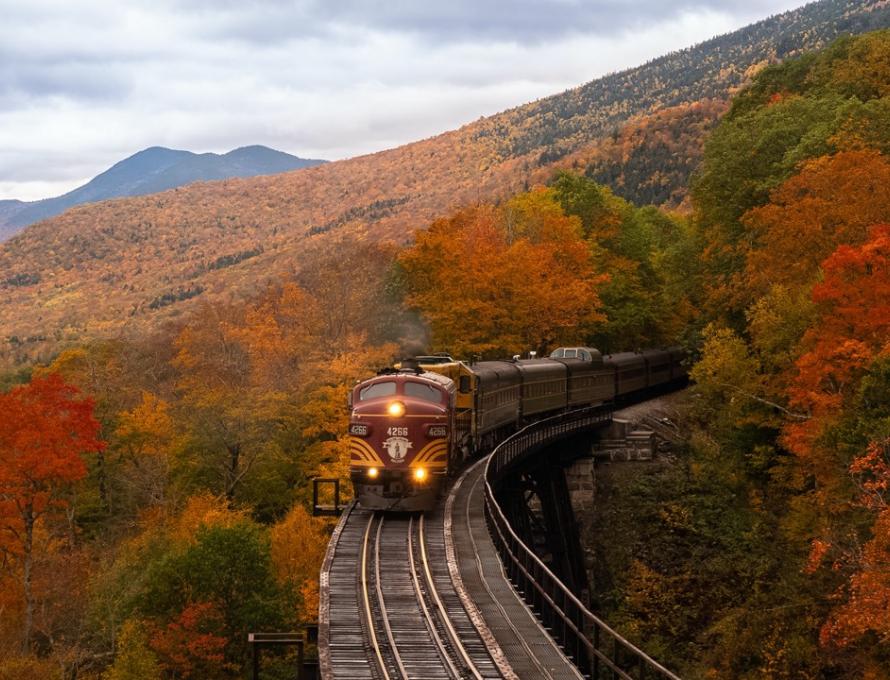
45, 426
867, 607
192, 645
853, 329
852, 332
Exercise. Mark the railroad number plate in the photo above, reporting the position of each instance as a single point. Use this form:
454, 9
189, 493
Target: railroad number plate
397, 432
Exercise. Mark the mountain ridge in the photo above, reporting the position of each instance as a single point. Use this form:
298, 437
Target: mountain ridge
100, 269
152, 170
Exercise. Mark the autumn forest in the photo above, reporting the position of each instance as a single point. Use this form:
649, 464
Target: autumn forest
136, 469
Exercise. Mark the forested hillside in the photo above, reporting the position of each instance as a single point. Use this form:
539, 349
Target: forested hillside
134, 472
650, 159
134, 264
765, 553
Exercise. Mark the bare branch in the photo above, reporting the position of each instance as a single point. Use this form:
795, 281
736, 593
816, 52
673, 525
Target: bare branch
767, 402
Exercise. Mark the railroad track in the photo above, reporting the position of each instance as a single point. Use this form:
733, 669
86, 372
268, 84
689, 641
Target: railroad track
397, 616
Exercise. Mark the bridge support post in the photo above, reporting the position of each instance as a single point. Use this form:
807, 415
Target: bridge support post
562, 538
538, 505
320, 509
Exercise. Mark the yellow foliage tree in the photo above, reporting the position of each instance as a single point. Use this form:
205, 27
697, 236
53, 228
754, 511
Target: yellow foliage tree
298, 547
147, 433
135, 660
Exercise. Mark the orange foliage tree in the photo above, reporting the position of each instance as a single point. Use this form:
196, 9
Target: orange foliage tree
298, 545
833, 200
215, 386
495, 280
45, 428
265, 380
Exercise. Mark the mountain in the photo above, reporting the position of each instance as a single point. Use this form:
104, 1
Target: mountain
8, 209
150, 171
129, 265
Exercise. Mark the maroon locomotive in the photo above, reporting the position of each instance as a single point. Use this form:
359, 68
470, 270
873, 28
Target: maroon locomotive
399, 433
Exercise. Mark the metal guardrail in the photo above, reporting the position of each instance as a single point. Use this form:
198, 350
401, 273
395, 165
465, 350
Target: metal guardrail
597, 650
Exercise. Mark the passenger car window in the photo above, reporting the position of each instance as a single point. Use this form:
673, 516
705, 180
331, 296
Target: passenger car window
380, 389
423, 391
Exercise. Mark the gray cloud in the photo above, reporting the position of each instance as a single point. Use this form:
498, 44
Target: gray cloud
84, 84
456, 20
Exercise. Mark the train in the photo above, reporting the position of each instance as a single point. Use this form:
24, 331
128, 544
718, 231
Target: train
413, 424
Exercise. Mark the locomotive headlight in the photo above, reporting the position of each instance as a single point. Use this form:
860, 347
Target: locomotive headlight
396, 409
419, 474
373, 473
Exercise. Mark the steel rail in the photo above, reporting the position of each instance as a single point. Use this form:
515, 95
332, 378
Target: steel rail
473, 612
382, 604
426, 612
369, 617
443, 613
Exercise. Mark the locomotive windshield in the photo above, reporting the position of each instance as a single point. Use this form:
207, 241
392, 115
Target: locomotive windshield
378, 389
423, 391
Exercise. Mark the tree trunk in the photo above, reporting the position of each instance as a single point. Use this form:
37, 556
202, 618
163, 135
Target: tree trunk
72, 533
27, 562
232, 473
102, 477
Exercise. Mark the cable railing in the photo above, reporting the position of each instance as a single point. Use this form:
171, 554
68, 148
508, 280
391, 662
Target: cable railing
596, 649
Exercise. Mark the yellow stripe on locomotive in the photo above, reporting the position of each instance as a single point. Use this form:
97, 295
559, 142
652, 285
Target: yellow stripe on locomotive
433, 456
362, 454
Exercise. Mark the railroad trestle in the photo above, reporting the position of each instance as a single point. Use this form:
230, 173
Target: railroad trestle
553, 590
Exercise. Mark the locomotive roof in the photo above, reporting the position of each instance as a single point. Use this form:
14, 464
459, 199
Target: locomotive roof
441, 380
441, 358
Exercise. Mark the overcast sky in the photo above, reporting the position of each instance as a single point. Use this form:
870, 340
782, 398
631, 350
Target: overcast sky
85, 83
